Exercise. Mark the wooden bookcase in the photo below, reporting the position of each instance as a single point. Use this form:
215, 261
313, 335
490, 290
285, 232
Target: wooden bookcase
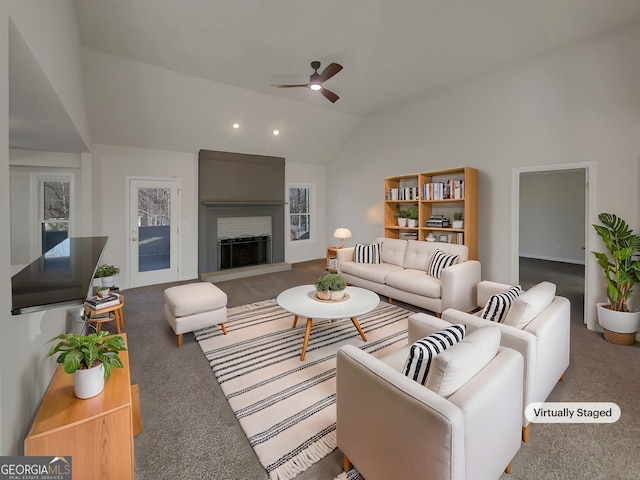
414, 186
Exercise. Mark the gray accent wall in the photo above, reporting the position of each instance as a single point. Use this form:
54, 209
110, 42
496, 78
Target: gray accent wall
238, 185
239, 177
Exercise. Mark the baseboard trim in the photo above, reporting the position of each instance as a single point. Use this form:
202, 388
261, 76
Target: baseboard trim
553, 259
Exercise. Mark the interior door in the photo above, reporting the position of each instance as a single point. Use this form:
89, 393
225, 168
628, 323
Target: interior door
153, 231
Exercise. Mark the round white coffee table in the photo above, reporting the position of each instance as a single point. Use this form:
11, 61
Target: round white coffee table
301, 302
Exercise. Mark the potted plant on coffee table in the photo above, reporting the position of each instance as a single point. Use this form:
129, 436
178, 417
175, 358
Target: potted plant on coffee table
621, 268
89, 358
330, 287
107, 273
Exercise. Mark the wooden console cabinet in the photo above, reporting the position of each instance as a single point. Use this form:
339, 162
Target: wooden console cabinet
97, 433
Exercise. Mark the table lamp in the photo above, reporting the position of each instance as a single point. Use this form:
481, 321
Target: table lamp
342, 233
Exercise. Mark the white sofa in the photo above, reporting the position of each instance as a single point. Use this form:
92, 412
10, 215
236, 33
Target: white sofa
544, 342
402, 274
390, 426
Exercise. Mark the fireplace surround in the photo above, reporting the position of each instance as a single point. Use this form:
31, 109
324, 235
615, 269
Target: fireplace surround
236, 185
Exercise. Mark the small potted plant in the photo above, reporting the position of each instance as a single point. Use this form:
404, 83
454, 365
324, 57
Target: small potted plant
102, 291
621, 272
412, 216
89, 358
458, 222
402, 215
107, 273
330, 287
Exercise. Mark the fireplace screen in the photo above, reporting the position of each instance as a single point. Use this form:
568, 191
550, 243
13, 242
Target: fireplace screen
243, 251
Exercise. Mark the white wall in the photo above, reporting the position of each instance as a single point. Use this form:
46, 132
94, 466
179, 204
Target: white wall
7, 405
578, 104
50, 30
316, 175
111, 167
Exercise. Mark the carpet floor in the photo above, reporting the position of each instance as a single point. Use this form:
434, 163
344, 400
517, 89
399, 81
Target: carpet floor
190, 431
287, 407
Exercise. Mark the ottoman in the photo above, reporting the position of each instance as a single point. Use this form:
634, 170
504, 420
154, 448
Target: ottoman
194, 306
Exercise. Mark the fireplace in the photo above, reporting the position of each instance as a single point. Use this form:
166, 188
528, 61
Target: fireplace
234, 235
243, 251
241, 213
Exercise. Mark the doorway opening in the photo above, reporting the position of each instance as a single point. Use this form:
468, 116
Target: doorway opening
551, 213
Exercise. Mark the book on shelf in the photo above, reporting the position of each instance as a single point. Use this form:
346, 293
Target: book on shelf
450, 237
451, 189
333, 263
404, 193
96, 303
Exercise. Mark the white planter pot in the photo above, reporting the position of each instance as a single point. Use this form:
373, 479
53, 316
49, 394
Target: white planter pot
458, 224
323, 294
625, 323
337, 295
89, 382
109, 281
402, 222
412, 223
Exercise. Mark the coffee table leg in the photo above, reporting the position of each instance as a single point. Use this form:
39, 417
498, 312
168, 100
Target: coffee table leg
295, 321
357, 325
306, 338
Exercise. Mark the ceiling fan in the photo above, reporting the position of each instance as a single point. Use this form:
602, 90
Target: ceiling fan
317, 79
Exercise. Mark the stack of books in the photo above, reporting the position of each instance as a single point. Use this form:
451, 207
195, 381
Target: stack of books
96, 303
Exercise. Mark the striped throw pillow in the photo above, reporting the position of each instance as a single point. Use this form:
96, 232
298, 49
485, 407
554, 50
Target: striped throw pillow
366, 253
439, 262
422, 352
498, 305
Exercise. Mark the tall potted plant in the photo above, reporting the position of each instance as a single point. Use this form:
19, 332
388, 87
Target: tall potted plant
89, 358
621, 268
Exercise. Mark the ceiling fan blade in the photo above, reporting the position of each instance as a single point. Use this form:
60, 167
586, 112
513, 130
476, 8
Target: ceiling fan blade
330, 71
332, 97
289, 86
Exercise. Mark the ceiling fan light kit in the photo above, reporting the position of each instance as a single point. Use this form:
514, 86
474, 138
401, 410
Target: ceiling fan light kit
317, 79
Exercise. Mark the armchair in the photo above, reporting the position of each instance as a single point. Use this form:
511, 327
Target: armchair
543, 342
390, 426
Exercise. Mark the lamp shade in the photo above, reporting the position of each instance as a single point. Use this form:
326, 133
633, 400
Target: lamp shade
342, 233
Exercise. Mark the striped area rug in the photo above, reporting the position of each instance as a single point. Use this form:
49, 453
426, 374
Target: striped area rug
287, 407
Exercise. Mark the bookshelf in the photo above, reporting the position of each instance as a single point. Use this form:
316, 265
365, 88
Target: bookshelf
441, 192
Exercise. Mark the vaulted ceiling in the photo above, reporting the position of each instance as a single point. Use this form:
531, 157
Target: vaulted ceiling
392, 51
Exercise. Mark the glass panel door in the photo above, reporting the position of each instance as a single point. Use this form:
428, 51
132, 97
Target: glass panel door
153, 231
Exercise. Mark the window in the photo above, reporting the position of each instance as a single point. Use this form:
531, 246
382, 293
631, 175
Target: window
54, 210
300, 213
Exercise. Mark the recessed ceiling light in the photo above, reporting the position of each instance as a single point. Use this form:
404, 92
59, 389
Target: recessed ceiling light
276, 132
236, 125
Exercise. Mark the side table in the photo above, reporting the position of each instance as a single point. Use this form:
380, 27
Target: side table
332, 260
114, 313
